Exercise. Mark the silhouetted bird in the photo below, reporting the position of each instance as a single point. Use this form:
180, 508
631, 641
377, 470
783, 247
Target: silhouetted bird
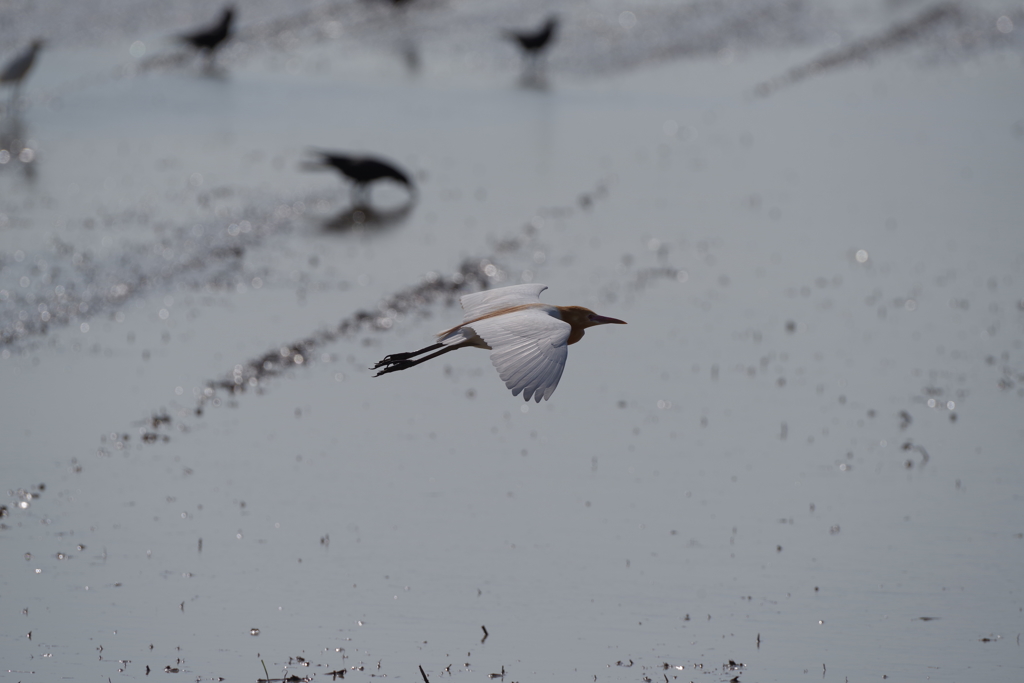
360, 170
208, 39
16, 69
534, 42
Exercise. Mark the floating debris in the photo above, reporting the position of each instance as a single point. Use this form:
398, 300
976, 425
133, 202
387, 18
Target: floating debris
911, 446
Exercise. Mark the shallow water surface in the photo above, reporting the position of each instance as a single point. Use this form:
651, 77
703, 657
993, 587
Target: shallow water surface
800, 458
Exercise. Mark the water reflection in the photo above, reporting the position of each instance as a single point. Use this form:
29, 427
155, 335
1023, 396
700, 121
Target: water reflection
534, 77
409, 52
362, 171
364, 215
396, 13
15, 149
211, 68
213, 71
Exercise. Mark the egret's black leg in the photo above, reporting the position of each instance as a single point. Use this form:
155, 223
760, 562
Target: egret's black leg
399, 357
407, 362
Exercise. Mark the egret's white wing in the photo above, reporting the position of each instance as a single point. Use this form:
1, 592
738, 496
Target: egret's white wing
528, 349
479, 304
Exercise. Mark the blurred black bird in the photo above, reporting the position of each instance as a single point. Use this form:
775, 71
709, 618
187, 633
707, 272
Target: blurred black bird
534, 42
208, 39
17, 69
361, 170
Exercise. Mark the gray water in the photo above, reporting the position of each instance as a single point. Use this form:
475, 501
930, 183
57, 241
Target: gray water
800, 460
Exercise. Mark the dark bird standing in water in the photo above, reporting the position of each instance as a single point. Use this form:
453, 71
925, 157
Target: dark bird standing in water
533, 43
361, 171
208, 39
17, 69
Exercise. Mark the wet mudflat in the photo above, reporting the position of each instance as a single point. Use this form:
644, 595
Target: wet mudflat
801, 458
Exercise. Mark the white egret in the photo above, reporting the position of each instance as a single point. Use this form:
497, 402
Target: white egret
527, 339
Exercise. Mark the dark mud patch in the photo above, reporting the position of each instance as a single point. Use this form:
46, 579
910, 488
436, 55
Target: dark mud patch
65, 285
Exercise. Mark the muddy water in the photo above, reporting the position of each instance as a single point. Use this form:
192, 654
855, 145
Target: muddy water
800, 458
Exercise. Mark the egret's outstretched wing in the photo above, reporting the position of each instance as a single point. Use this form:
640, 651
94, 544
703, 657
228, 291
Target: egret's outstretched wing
479, 304
528, 349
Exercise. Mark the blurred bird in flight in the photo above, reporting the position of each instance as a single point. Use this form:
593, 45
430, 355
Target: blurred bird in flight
528, 340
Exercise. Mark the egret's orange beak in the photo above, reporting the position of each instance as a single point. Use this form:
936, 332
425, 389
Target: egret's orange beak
602, 320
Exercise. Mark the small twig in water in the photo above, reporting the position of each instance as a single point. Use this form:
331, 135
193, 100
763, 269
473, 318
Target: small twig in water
424, 674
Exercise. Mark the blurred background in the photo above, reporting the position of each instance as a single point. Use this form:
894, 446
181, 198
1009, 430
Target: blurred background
801, 457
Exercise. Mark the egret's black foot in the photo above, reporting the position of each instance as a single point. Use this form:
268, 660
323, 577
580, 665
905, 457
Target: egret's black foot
392, 366
393, 358
401, 361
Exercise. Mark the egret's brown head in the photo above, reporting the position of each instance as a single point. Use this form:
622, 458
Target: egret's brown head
581, 318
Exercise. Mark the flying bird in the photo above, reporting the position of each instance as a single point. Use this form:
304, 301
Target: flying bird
528, 340
534, 42
208, 39
361, 170
17, 69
